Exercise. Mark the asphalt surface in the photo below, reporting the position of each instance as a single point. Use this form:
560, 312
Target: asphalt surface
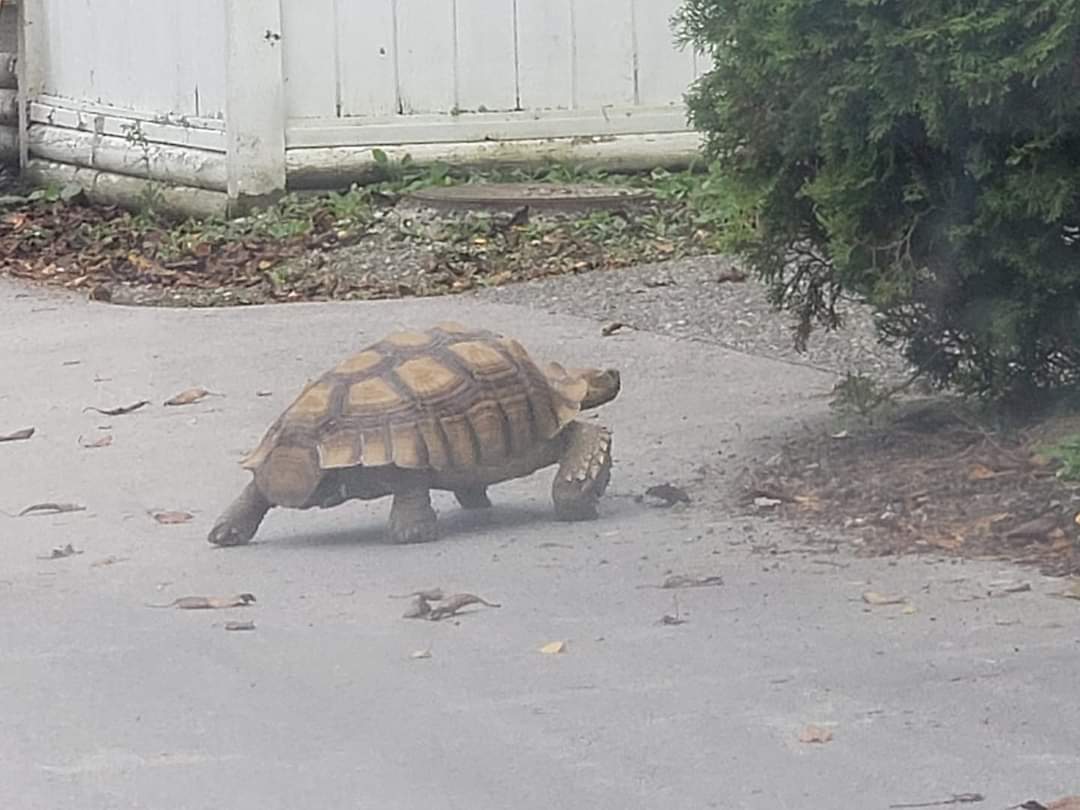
108, 703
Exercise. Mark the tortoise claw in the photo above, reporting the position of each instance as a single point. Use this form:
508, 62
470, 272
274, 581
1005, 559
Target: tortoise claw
238, 524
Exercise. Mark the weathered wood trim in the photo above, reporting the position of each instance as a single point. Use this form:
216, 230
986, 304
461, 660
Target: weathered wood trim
333, 167
165, 163
107, 188
254, 101
95, 108
511, 126
135, 129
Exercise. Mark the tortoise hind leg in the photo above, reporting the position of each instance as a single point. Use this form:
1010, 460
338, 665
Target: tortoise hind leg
584, 471
239, 522
412, 520
473, 497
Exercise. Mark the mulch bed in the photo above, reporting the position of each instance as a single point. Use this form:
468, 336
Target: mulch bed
931, 481
392, 250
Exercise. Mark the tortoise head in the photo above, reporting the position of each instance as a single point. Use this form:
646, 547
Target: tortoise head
603, 385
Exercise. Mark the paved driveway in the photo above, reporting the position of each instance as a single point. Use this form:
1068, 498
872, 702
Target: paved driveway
107, 703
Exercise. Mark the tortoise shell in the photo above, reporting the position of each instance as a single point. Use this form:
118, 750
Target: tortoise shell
446, 398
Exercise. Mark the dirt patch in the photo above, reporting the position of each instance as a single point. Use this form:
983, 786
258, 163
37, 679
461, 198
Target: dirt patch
932, 481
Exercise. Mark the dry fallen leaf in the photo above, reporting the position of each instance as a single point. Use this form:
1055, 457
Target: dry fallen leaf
417, 654
1072, 592
104, 441
419, 608
909, 610
60, 552
248, 625
18, 435
208, 602
1006, 587
455, 603
687, 581
264, 393
553, 648
730, 275
668, 494
980, 472
1037, 529
875, 598
188, 397
172, 518
120, 411
50, 508
815, 734
612, 328
430, 594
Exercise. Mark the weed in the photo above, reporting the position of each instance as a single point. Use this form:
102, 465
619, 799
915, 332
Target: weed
1067, 451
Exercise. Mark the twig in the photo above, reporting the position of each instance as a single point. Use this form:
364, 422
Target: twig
957, 798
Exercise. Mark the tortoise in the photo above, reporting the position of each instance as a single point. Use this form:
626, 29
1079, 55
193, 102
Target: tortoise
449, 408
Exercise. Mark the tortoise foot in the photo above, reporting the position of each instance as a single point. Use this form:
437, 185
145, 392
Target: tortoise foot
412, 520
240, 521
474, 498
584, 472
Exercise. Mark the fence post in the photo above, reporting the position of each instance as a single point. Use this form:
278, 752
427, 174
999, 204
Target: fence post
254, 103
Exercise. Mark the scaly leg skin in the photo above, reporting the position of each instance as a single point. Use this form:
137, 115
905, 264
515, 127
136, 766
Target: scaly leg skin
473, 498
412, 520
584, 472
239, 522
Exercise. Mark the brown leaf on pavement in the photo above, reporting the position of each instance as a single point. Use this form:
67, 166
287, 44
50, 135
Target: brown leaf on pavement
60, 552
455, 603
172, 518
687, 581
121, 410
875, 598
668, 494
208, 602
815, 734
18, 435
51, 508
103, 441
188, 397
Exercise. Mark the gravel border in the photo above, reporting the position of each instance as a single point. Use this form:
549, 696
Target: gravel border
684, 298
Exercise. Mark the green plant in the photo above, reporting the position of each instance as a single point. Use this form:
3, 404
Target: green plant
922, 156
1067, 452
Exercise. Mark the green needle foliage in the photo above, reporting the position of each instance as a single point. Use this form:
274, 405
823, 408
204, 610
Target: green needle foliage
921, 155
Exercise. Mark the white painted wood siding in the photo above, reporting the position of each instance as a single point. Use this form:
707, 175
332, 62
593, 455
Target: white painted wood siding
380, 58
151, 56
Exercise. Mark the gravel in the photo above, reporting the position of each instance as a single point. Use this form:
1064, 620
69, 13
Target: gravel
684, 298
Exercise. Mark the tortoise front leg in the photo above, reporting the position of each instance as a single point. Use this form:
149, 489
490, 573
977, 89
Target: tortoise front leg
412, 520
584, 471
239, 522
475, 497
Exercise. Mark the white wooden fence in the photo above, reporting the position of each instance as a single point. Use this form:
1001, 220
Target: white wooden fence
9, 116
227, 101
